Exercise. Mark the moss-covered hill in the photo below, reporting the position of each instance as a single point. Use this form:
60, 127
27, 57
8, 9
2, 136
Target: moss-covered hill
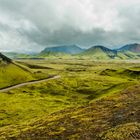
11, 74
114, 117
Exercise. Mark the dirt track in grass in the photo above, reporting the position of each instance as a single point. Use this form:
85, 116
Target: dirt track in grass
29, 83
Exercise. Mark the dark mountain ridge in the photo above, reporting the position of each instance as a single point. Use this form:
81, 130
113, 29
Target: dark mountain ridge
131, 47
5, 58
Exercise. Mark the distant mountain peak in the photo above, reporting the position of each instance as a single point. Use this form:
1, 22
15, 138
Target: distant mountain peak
100, 52
68, 49
135, 47
100, 47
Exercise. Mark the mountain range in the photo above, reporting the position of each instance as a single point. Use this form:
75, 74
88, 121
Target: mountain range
130, 51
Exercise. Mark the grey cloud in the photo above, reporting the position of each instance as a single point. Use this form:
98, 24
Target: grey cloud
35, 24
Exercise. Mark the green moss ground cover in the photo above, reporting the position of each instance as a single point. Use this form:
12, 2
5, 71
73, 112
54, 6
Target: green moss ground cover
79, 105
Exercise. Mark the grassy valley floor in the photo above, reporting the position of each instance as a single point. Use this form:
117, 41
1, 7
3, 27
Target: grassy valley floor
91, 100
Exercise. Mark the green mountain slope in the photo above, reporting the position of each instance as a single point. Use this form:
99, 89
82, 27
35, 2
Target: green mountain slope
99, 52
130, 51
11, 74
127, 55
66, 49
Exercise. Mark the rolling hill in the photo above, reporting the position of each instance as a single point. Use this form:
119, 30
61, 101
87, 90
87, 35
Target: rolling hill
11, 74
99, 52
65, 49
127, 52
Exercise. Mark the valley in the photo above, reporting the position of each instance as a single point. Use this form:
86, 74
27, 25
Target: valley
91, 100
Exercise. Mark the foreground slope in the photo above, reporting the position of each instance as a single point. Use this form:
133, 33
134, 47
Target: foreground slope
114, 117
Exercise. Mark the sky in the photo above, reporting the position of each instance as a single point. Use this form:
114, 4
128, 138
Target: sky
31, 25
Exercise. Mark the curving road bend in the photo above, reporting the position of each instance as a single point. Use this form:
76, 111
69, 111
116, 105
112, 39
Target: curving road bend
29, 83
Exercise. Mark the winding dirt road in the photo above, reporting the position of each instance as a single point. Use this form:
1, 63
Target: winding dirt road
29, 83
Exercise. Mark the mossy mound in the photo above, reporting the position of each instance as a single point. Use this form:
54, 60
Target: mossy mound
110, 118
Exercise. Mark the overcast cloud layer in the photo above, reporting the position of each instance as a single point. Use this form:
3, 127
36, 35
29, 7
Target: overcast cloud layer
31, 25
